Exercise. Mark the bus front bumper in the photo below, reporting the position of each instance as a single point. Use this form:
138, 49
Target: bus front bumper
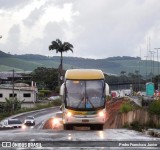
84, 120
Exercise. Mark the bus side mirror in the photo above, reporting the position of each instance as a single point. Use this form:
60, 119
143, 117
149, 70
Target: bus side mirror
107, 89
61, 93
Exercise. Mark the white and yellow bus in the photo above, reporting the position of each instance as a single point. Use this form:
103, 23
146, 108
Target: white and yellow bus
83, 96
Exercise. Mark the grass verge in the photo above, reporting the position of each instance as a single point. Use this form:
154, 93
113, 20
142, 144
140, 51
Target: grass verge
37, 107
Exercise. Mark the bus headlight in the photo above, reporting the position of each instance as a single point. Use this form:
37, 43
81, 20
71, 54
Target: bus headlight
69, 114
101, 114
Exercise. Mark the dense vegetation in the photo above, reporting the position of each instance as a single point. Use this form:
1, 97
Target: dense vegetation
46, 78
126, 107
10, 106
154, 108
4, 113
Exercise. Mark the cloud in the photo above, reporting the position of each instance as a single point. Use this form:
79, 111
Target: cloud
98, 29
110, 28
51, 32
33, 17
13, 40
12, 4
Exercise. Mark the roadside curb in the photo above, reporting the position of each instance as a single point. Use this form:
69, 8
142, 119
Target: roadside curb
31, 111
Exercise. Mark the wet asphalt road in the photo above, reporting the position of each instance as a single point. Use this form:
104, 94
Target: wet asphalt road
41, 116
60, 139
75, 139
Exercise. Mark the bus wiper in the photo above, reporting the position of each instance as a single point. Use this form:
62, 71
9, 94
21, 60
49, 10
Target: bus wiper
90, 103
85, 101
80, 102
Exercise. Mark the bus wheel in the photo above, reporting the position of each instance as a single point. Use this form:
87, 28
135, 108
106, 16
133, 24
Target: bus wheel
92, 127
96, 127
100, 127
68, 127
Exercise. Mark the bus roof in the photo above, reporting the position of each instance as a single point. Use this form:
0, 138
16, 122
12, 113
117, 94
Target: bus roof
84, 74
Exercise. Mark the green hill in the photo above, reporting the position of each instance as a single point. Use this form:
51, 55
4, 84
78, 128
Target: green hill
7, 68
3, 54
18, 63
112, 65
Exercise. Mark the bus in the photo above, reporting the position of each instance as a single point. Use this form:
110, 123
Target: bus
83, 95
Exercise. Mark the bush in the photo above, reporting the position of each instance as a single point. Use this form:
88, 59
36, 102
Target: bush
126, 125
45, 92
108, 97
136, 126
154, 108
126, 107
150, 124
56, 102
37, 107
57, 89
2, 107
4, 115
12, 104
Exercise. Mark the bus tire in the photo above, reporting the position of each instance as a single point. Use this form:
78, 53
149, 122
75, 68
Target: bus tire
68, 127
96, 127
92, 127
100, 127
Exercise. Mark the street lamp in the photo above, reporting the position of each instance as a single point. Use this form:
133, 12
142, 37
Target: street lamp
152, 63
13, 84
146, 67
158, 65
13, 92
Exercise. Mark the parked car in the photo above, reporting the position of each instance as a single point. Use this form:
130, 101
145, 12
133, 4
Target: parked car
29, 121
12, 123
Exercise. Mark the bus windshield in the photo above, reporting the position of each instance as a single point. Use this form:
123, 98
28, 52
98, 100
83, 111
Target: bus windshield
82, 94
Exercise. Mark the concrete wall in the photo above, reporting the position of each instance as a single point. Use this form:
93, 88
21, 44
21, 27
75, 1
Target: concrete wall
140, 115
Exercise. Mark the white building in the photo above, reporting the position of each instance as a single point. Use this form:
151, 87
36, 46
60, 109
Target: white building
21, 91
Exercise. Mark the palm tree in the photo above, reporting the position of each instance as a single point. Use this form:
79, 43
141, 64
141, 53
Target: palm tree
60, 48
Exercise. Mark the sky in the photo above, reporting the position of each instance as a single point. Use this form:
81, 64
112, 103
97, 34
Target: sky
97, 29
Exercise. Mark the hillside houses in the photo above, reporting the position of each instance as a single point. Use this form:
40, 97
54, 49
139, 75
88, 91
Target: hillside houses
22, 91
7, 77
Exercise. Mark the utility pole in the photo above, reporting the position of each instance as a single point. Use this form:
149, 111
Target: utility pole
13, 84
13, 92
152, 64
139, 71
146, 67
158, 66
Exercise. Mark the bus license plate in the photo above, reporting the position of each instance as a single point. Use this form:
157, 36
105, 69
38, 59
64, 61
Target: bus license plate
85, 120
